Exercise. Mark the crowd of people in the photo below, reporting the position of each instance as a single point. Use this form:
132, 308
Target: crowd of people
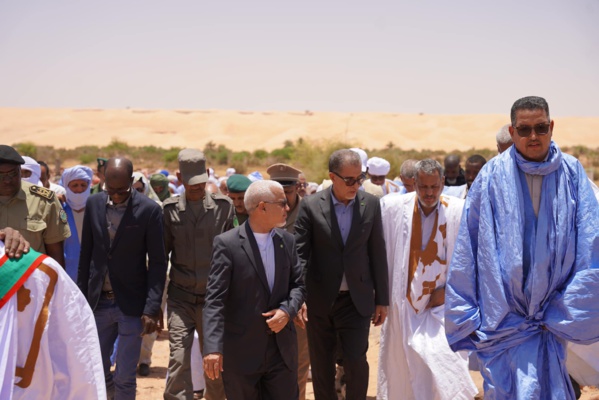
266, 281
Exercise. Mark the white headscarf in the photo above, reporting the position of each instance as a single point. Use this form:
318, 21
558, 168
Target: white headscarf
36, 171
148, 190
77, 200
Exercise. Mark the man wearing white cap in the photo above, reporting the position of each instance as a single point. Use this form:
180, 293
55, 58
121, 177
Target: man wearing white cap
378, 168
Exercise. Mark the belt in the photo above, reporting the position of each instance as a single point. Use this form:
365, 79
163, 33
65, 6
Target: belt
343, 293
180, 294
109, 294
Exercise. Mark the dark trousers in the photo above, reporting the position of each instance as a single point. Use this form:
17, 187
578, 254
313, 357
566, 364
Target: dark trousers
273, 381
345, 324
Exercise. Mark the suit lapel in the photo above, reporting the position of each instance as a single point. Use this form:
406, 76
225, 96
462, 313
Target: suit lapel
357, 215
104, 223
279, 262
328, 211
249, 245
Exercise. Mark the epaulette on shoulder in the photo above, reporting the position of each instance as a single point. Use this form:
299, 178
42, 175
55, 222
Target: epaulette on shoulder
42, 192
170, 200
222, 197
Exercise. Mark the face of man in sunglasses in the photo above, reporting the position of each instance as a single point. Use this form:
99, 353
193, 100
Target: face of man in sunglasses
535, 146
342, 192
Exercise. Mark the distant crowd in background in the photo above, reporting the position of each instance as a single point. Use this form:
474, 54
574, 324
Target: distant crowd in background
266, 282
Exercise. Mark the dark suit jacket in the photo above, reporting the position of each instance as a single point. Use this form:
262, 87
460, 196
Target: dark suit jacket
238, 294
324, 258
136, 261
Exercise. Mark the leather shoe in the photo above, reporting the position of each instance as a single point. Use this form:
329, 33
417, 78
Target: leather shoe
143, 370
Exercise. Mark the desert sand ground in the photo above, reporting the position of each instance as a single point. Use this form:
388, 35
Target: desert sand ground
246, 130
152, 387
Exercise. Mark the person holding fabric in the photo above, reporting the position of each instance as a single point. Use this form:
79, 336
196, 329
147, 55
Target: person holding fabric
77, 182
48, 337
159, 184
420, 228
525, 271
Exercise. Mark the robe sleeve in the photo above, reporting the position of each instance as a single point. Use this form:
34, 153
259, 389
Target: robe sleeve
462, 314
573, 313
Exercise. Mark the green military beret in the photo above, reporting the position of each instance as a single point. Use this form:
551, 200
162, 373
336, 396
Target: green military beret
238, 183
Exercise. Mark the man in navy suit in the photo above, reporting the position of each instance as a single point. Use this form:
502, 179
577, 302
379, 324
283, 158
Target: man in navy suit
255, 289
339, 234
122, 270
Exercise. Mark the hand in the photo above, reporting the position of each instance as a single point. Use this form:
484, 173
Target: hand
150, 324
277, 321
213, 365
437, 298
380, 314
14, 243
302, 317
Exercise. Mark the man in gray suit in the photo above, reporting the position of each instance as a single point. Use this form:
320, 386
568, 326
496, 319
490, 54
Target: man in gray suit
255, 289
340, 243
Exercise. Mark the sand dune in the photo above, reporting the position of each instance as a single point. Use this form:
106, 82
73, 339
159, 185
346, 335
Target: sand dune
247, 130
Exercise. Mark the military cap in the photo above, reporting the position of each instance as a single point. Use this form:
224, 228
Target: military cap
238, 183
192, 165
101, 162
285, 174
9, 155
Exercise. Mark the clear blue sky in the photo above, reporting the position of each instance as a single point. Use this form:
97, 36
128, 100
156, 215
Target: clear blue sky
455, 57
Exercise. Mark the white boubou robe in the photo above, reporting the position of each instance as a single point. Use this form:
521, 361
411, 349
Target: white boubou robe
415, 360
49, 341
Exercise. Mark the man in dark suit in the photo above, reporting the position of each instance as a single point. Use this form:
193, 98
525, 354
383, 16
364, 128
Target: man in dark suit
340, 244
255, 289
122, 270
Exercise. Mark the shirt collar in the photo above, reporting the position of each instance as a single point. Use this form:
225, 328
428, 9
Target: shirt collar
337, 202
120, 205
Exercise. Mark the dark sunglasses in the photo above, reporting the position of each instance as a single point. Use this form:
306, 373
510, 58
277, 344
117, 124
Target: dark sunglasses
350, 181
282, 203
526, 131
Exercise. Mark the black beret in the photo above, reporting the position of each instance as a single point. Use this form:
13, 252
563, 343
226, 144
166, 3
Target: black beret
9, 155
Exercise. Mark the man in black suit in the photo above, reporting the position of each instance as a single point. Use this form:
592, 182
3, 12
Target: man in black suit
341, 247
255, 289
122, 270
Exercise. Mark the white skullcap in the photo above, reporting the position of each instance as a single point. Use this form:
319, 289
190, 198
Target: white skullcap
363, 157
378, 166
230, 171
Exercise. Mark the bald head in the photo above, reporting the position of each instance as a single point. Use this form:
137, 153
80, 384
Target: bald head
118, 179
119, 165
452, 161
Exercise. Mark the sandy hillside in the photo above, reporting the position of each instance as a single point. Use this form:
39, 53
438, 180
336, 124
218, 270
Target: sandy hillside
240, 130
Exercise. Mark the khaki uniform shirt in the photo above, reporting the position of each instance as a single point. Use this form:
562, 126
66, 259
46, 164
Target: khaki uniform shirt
37, 218
292, 216
188, 238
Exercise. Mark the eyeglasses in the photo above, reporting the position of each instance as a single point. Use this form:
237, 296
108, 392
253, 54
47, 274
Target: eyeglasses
9, 175
526, 131
350, 181
282, 203
112, 192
